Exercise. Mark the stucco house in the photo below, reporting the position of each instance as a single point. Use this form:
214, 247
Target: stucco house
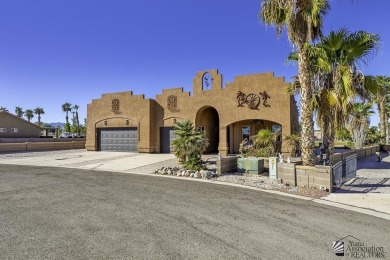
227, 114
12, 126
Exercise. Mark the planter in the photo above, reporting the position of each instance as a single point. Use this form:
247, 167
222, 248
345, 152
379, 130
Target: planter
251, 165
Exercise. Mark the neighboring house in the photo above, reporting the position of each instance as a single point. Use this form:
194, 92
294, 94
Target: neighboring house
12, 126
126, 122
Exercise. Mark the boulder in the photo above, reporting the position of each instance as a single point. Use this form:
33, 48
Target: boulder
197, 175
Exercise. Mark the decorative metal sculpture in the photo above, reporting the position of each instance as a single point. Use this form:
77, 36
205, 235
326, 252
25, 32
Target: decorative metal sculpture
252, 100
241, 98
264, 96
115, 104
207, 81
172, 103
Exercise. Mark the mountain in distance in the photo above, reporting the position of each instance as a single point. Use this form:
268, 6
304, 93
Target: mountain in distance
58, 124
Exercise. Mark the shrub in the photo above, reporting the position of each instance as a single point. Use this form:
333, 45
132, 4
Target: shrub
189, 144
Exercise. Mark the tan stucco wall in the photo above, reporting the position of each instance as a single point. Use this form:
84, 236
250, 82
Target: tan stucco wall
134, 111
150, 115
25, 128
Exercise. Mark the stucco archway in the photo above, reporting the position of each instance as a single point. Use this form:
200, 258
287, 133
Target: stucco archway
244, 129
207, 119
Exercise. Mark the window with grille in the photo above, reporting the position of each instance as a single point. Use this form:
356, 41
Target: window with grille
3, 130
14, 130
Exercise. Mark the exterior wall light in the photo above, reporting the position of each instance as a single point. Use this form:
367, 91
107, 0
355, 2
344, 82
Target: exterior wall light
127, 121
105, 122
174, 121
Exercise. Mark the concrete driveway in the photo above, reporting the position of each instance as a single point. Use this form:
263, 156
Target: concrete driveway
371, 187
81, 159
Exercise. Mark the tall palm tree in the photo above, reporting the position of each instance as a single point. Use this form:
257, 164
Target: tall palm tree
39, 111
67, 107
75, 108
380, 98
19, 111
303, 21
336, 80
3, 109
29, 114
358, 121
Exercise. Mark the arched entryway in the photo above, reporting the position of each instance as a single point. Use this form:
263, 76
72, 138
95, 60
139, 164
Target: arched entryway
207, 120
240, 130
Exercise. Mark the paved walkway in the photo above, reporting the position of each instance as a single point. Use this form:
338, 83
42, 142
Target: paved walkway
371, 187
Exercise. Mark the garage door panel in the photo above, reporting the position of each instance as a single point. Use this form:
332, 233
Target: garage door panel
121, 140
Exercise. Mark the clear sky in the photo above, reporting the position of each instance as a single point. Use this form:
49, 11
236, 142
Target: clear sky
57, 51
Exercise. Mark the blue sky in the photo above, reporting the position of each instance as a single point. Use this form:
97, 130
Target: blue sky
52, 52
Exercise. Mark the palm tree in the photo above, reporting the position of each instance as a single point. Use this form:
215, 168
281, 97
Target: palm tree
39, 111
19, 111
67, 107
189, 143
75, 108
336, 80
303, 20
294, 142
380, 98
358, 122
3, 109
29, 114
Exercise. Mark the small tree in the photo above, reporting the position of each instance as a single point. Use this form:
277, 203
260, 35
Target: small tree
263, 144
293, 141
189, 144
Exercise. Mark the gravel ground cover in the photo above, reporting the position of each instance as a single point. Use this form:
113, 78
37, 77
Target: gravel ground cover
261, 181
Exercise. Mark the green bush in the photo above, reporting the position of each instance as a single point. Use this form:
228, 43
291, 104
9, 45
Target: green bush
189, 144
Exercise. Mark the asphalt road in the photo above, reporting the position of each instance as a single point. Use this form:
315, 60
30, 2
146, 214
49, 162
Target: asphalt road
59, 213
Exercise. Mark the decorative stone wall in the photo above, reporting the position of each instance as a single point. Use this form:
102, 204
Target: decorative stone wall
44, 146
286, 173
226, 164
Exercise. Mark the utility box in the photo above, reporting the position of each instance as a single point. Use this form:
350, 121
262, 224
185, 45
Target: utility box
251, 165
273, 168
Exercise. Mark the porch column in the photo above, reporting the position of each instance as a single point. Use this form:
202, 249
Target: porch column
223, 144
231, 139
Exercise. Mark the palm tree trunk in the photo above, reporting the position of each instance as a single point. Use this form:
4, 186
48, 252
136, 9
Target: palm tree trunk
382, 113
328, 130
307, 123
78, 123
386, 128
